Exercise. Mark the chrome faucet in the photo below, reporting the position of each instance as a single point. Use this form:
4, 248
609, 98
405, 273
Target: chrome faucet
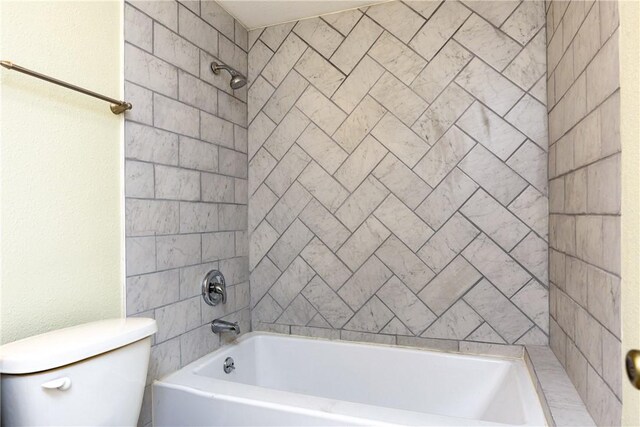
219, 326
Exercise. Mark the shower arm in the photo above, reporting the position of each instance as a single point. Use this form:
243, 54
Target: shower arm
216, 67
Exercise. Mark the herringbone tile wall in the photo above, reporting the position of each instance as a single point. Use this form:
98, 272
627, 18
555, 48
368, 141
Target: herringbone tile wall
398, 174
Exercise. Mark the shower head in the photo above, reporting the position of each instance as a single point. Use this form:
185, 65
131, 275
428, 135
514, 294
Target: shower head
237, 79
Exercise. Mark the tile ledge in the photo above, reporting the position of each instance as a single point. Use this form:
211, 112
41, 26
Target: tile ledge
560, 400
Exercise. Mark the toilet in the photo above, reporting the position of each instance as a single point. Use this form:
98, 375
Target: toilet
91, 375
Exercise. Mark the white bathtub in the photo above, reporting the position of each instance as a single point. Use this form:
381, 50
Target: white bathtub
282, 380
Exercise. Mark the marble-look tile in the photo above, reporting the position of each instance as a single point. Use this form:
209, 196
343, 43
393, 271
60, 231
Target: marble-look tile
532, 208
362, 243
323, 187
409, 309
604, 299
367, 337
141, 255
322, 148
319, 35
447, 242
260, 241
198, 217
324, 225
260, 204
488, 86
398, 98
528, 116
428, 343
444, 156
485, 334
195, 154
232, 217
259, 93
530, 64
449, 285
215, 130
403, 222
498, 311
163, 360
143, 100
320, 110
262, 277
456, 323
327, 302
442, 113
446, 198
216, 246
494, 12
153, 290
196, 343
497, 222
258, 57
291, 282
490, 130
287, 170
215, 15
361, 203
266, 310
533, 300
399, 139
371, 317
175, 116
397, 18
357, 84
442, 69
404, 264
355, 46
397, 57
299, 312
165, 13
343, 21
401, 180
530, 162
285, 96
288, 207
319, 72
232, 109
286, 133
138, 181
358, 124
525, 21
396, 327
177, 184
138, 28
197, 31
424, 8
360, 163
439, 29
487, 42
325, 263
496, 178
290, 244
149, 144
364, 283
176, 319
175, 50
284, 59
232, 163
274, 36
496, 266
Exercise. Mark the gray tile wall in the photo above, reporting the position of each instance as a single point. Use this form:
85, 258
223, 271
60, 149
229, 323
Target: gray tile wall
584, 200
398, 175
186, 175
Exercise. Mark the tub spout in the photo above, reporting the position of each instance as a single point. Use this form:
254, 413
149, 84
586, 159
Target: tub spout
219, 326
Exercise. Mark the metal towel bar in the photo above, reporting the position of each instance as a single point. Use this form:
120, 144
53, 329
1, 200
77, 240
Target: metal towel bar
117, 107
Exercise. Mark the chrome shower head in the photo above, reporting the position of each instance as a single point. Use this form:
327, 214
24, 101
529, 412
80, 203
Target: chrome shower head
237, 79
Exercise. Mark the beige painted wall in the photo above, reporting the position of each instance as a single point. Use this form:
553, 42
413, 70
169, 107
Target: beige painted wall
630, 137
61, 167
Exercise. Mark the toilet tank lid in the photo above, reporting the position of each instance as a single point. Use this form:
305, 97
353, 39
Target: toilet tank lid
64, 346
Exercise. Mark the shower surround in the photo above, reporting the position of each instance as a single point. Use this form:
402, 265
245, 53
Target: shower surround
186, 176
398, 175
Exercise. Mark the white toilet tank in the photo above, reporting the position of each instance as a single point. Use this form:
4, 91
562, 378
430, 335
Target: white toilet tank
87, 375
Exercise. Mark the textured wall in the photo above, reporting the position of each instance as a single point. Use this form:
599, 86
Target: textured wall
186, 170
398, 174
584, 200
